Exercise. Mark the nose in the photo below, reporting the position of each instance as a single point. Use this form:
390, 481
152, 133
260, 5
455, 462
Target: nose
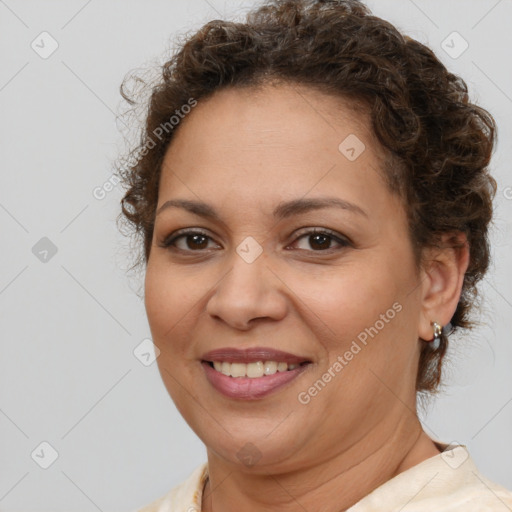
248, 292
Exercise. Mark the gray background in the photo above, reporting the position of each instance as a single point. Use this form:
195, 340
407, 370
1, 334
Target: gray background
68, 373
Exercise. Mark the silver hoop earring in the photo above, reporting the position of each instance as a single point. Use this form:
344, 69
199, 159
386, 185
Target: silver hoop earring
436, 340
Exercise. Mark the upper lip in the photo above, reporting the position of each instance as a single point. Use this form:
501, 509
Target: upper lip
252, 355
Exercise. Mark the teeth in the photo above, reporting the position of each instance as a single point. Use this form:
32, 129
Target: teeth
252, 370
282, 367
238, 369
226, 368
270, 367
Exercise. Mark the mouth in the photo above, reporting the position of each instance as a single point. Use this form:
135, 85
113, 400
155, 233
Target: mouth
253, 373
254, 370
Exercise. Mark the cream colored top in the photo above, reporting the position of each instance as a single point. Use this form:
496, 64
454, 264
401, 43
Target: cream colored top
448, 482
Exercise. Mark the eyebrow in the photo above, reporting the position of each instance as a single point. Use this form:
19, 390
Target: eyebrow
283, 210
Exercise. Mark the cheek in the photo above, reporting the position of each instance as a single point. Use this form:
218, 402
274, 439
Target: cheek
169, 312
349, 299
159, 301
167, 303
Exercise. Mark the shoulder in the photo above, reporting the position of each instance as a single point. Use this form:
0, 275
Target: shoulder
449, 482
465, 488
185, 497
479, 494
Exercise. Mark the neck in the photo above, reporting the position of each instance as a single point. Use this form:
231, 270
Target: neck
331, 486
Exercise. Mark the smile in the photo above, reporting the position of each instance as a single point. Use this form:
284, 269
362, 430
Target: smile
251, 373
244, 382
252, 370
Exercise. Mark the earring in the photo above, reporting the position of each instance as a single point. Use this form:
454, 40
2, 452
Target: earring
436, 340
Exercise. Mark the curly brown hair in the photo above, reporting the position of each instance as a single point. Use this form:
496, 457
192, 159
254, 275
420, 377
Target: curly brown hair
437, 143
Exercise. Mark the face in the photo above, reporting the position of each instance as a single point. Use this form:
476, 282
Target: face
281, 288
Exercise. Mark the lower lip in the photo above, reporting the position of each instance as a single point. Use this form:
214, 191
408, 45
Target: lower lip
247, 388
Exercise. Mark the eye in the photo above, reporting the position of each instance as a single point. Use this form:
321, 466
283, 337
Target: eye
190, 240
318, 240
312, 240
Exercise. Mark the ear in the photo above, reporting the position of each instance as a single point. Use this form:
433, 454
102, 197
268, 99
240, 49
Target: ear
442, 276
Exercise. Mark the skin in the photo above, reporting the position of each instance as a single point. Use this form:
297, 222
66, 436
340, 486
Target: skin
243, 152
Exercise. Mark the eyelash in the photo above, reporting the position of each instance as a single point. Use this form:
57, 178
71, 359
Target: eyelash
168, 243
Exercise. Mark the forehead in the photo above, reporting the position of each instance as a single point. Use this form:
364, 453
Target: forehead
276, 138
275, 113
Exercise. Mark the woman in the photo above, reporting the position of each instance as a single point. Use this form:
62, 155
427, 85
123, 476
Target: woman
313, 199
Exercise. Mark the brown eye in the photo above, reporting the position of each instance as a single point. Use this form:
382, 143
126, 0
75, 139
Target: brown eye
187, 241
320, 240
196, 241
